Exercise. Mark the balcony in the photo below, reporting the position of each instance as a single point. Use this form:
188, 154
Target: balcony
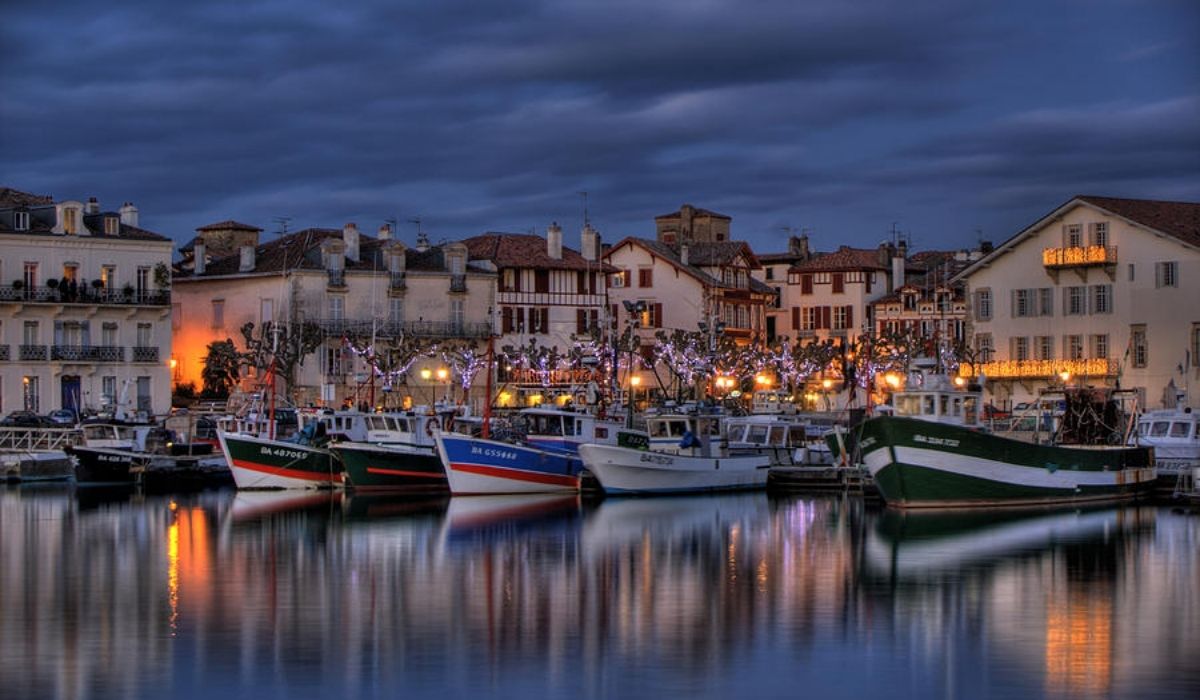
32, 352
145, 354
85, 296
3, 353
1080, 259
87, 353
458, 283
397, 281
337, 279
336, 327
1043, 369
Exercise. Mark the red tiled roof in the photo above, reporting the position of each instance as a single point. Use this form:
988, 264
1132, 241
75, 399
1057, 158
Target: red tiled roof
528, 251
1177, 219
844, 258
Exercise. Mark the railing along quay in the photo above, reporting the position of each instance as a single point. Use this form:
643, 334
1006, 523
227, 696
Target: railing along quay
18, 439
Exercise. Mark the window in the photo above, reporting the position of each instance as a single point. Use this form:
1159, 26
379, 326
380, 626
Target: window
1073, 347
809, 318
108, 275
1100, 346
984, 348
218, 313
457, 314
1043, 347
31, 275
1072, 235
839, 283
30, 394
646, 277
31, 334
983, 305
143, 335
839, 317
1074, 301
1131, 269
1166, 274
1099, 231
1045, 301
337, 307
71, 272
266, 311
541, 281
21, 221
396, 310
806, 284
457, 266
108, 334
618, 280
910, 301
1139, 352
770, 272
70, 220
108, 390
1023, 303
112, 225
1102, 298
510, 281
1020, 348
777, 302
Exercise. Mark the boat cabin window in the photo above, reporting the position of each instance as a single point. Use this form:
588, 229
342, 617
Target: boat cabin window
797, 435
97, 432
377, 423
757, 434
970, 409
1180, 430
1159, 429
908, 405
927, 405
546, 425
778, 436
943, 405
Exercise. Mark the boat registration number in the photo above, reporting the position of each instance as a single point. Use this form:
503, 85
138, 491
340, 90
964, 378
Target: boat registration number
657, 459
281, 452
947, 442
498, 454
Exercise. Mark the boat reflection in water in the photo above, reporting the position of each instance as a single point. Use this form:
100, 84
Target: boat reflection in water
214, 595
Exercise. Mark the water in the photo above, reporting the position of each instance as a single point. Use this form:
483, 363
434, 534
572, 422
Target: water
278, 595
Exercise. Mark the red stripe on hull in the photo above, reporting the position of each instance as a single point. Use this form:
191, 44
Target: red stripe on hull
288, 473
516, 475
402, 472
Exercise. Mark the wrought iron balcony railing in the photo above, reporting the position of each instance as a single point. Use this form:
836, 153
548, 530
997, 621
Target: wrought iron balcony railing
3, 353
458, 283
32, 352
397, 280
145, 354
85, 295
87, 353
1042, 369
337, 278
1079, 256
392, 329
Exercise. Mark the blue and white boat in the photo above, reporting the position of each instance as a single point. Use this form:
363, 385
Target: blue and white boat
478, 466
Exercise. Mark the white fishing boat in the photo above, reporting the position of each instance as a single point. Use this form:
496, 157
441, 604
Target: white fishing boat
695, 463
1175, 436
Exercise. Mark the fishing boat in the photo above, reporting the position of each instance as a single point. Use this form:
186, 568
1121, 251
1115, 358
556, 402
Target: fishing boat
155, 456
932, 451
398, 454
1175, 436
303, 461
696, 463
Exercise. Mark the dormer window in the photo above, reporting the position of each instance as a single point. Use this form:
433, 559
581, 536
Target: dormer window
112, 226
21, 221
70, 220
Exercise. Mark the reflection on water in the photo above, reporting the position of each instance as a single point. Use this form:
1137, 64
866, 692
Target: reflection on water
119, 594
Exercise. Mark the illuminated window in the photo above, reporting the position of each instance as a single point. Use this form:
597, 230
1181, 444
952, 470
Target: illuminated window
1100, 346
1073, 347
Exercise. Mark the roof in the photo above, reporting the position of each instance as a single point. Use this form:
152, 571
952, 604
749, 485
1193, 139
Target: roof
526, 250
696, 211
43, 217
16, 198
1178, 220
844, 258
699, 254
229, 225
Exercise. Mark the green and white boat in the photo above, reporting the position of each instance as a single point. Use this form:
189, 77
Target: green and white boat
932, 452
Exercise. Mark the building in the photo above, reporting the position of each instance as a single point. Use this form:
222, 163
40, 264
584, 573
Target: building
547, 296
84, 307
928, 303
774, 274
365, 297
1101, 291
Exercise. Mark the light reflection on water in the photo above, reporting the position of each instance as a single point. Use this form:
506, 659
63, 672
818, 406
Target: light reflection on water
116, 594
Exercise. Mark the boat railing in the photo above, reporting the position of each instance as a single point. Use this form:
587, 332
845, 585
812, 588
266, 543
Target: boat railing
17, 439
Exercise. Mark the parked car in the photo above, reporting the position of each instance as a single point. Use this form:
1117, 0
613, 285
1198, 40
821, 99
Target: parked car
24, 419
62, 417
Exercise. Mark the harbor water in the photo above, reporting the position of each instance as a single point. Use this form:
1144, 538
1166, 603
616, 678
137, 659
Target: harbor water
220, 594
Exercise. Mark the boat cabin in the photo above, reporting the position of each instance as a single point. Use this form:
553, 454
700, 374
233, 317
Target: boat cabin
772, 434
554, 427
933, 396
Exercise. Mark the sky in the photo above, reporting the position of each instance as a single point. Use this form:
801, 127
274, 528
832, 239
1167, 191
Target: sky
948, 121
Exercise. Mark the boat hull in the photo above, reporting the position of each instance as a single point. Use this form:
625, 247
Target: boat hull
102, 466
387, 468
260, 463
921, 464
478, 466
625, 470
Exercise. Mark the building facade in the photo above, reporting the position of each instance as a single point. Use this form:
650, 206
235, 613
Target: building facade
84, 308
1101, 291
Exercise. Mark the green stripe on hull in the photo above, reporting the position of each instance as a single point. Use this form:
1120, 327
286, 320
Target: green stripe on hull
380, 470
923, 464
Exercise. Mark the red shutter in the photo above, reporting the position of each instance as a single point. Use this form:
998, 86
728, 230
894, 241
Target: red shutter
869, 276
544, 321
627, 276
850, 317
795, 318
656, 322
506, 319
839, 283
826, 318
806, 284
516, 280
593, 319
580, 321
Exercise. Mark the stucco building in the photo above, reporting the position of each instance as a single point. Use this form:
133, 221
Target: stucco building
84, 307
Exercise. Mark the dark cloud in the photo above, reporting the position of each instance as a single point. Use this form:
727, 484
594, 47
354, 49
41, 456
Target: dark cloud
842, 117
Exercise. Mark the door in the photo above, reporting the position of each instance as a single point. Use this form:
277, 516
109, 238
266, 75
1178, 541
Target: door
70, 393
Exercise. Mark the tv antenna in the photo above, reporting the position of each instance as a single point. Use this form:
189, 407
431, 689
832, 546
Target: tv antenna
586, 221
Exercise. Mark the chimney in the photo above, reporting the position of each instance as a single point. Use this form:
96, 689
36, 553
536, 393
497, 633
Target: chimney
129, 214
350, 236
898, 262
683, 254
247, 259
589, 243
554, 241
885, 255
385, 232
199, 255
93, 206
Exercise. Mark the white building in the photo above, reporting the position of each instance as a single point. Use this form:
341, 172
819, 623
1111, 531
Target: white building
1100, 291
84, 307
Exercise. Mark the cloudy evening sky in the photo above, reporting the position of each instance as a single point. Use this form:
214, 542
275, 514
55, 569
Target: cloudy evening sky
836, 116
